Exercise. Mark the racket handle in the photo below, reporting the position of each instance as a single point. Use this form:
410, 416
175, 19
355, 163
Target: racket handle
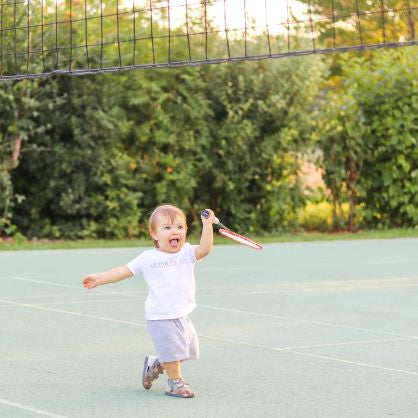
206, 215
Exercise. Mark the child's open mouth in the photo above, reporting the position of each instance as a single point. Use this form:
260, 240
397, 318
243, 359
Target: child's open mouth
174, 242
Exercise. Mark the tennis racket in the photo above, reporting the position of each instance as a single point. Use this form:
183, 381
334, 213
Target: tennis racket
226, 232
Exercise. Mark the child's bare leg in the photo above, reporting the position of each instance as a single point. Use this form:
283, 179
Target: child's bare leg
173, 370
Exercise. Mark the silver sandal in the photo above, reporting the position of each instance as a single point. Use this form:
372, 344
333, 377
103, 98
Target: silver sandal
151, 372
179, 388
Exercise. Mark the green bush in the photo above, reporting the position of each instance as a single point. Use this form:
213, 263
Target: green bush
369, 138
319, 216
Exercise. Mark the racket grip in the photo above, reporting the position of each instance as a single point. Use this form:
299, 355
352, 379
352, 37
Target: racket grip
206, 215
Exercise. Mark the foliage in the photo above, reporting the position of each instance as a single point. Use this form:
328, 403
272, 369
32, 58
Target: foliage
363, 22
369, 139
258, 128
319, 216
91, 157
388, 96
18, 104
166, 117
80, 176
226, 137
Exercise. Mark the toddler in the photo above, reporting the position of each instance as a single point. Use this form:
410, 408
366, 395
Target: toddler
168, 270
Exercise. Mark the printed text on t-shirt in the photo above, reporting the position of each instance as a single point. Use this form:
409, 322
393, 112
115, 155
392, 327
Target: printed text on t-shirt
167, 264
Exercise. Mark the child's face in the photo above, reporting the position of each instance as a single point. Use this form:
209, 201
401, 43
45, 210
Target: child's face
171, 235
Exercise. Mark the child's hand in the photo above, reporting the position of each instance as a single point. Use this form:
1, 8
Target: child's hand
211, 219
91, 281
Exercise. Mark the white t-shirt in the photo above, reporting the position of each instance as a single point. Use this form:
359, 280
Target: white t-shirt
170, 280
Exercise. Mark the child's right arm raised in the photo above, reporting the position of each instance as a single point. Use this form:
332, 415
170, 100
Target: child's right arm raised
110, 276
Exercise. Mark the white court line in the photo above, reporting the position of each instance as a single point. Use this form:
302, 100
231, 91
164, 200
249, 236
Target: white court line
289, 290
307, 321
87, 301
29, 408
372, 366
77, 302
272, 288
310, 287
292, 349
41, 296
80, 287
228, 340
385, 340
43, 308
341, 262
312, 290
314, 284
287, 350
242, 311
43, 282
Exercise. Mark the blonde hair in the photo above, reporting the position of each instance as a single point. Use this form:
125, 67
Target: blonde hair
169, 211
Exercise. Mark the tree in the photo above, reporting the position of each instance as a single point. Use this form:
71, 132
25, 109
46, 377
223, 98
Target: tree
18, 104
344, 23
257, 132
369, 138
81, 179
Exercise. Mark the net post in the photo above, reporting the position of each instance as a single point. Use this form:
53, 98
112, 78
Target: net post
56, 35
86, 35
359, 23
117, 32
101, 34
152, 34
1, 38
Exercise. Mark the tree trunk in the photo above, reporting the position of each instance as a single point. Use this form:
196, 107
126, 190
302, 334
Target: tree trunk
411, 24
16, 151
352, 179
334, 196
6, 167
13, 162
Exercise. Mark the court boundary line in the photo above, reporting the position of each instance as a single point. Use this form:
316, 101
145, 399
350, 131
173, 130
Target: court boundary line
335, 263
360, 364
385, 340
289, 291
323, 290
261, 268
277, 349
236, 311
286, 350
80, 287
40, 296
31, 409
301, 284
44, 308
305, 287
308, 321
73, 302
77, 302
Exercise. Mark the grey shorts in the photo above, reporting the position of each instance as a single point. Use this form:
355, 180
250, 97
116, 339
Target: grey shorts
174, 339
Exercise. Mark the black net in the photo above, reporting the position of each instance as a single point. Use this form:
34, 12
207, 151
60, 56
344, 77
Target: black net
43, 37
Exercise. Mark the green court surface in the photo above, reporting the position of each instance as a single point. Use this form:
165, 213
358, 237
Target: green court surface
320, 329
